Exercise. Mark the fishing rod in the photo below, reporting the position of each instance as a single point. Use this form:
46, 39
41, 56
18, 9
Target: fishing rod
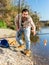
19, 9
19, 23
42, 33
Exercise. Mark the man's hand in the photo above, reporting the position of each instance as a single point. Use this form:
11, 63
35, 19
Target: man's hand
16, 28
34, 32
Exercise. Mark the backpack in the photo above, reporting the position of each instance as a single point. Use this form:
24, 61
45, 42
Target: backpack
4, 43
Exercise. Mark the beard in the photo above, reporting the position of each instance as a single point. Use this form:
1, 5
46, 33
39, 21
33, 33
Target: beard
24, 18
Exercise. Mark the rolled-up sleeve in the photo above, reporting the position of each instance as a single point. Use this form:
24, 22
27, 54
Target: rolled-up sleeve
16, 20
32, 24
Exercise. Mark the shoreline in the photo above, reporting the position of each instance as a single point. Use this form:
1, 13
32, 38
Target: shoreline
12, 56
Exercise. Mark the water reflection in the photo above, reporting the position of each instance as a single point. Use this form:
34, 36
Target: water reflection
45, 42
40, 50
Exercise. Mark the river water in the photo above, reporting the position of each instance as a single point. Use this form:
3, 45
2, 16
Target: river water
40, 51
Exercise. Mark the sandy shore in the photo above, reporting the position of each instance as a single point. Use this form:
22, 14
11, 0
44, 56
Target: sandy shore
10, 56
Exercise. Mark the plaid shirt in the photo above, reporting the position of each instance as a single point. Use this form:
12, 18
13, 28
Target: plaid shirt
29, 22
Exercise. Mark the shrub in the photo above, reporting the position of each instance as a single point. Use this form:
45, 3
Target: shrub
3, 24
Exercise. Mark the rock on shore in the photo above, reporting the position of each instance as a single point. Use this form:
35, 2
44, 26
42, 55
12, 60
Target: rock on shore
9, 56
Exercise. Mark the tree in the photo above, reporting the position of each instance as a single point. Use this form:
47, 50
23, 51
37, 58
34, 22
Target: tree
36, 19
5, 9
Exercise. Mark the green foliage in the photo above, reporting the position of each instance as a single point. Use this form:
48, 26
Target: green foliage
33, 39
2, 24
10, 11
36, 18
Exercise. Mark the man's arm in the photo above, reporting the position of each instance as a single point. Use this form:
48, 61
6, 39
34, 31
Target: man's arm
33, 26
16, 22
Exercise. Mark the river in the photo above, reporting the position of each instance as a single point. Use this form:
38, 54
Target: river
40, 51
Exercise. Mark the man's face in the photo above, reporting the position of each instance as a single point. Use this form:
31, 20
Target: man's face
25, 15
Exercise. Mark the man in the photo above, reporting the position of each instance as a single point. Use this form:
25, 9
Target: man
24, 23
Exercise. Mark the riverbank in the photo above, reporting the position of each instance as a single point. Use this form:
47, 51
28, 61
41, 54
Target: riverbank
9, 56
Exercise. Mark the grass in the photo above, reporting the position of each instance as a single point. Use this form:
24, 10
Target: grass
3, 24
